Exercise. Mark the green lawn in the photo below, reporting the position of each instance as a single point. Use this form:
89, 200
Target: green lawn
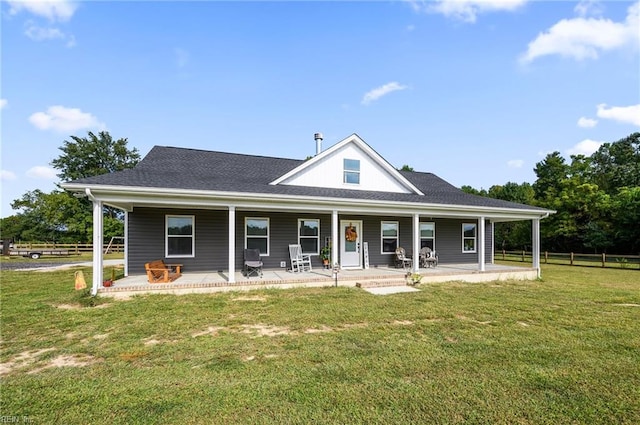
563, 350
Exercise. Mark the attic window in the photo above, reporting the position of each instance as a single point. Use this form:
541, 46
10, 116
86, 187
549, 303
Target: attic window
352, 171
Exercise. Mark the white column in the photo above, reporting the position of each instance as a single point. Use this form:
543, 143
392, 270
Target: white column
97, 246
232, 244
481, 244
535, 244
416, 243
334, 237
493, 242
126, 243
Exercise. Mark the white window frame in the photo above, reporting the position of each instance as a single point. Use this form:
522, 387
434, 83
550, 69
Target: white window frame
167, 236
300, 221
346, 171
268, 236
383, 237
433, 223
474, 238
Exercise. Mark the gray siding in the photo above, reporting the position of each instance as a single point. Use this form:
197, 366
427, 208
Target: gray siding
147, 238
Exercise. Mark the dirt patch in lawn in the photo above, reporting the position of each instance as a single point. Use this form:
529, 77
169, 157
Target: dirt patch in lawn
265, 330
22, 360
248, 298
78, 360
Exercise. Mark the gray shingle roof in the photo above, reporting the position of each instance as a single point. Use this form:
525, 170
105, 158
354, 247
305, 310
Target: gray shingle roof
193, 169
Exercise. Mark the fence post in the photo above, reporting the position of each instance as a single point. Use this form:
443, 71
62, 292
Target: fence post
571, 259
523, 255
503, 254
546, 257
604, 259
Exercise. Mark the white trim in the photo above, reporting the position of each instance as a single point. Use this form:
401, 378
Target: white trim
354, 138
164, 197
434, 233
231, 224
475, 238
268, 236
480, 235
166, 235
382, 237
535, 245
335, 224
300, 220
98, 228
126, 243
415, 226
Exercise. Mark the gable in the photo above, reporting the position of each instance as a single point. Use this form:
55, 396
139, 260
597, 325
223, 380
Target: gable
350, 164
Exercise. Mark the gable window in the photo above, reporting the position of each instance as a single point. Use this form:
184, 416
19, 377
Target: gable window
352, 171
468, 237
309, 235
390, 230
180, 237
428, 235
256, 234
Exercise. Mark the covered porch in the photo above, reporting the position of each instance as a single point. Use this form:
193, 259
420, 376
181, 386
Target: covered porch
318, 277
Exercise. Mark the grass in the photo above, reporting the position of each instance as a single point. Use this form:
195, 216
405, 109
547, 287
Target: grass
563, 350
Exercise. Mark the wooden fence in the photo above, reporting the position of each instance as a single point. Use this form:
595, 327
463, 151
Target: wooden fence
74, 248
574, 259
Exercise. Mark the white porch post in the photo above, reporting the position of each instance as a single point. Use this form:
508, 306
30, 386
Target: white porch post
481, 265
493, 242
97, 246
126, 243
232, 244
535, 244
334, 237
416, 243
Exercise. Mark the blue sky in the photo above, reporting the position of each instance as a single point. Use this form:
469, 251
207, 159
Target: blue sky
474, 91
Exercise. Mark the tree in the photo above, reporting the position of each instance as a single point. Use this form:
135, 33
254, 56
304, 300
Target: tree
617, 165
59, 216
94, 155
406, 168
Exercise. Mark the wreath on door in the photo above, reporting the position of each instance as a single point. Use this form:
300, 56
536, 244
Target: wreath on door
350, 234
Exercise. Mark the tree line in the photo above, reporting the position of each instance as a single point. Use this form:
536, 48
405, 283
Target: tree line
596, 199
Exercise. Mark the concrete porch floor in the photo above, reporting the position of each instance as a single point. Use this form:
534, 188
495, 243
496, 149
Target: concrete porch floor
280, 278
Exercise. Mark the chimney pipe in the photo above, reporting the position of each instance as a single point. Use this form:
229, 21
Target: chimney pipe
318, 139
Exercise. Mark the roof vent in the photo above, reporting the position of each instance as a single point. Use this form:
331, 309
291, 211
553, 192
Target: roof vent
318, 138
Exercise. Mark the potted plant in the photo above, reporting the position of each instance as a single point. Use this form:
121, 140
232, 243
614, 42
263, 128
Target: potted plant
325, 255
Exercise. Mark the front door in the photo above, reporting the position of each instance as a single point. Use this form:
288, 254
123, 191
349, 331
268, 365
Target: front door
350, 246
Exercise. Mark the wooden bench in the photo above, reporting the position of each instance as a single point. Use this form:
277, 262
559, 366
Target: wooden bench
159, 272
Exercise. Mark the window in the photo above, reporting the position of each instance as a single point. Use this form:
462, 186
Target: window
309, 236
390, 232
352, 171
468, 237
257, 234
180, 241
428, 235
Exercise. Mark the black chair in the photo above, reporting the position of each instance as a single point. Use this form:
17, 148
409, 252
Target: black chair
252, 262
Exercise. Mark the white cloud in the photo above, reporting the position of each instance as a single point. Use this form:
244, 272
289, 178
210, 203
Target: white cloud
586, 147
42, 172
62, 119
3, 103
383, 90
584, 38
54, 10
467, 10
6, 175
585, 122
515, 163
588, 8
626, 114
37, 33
